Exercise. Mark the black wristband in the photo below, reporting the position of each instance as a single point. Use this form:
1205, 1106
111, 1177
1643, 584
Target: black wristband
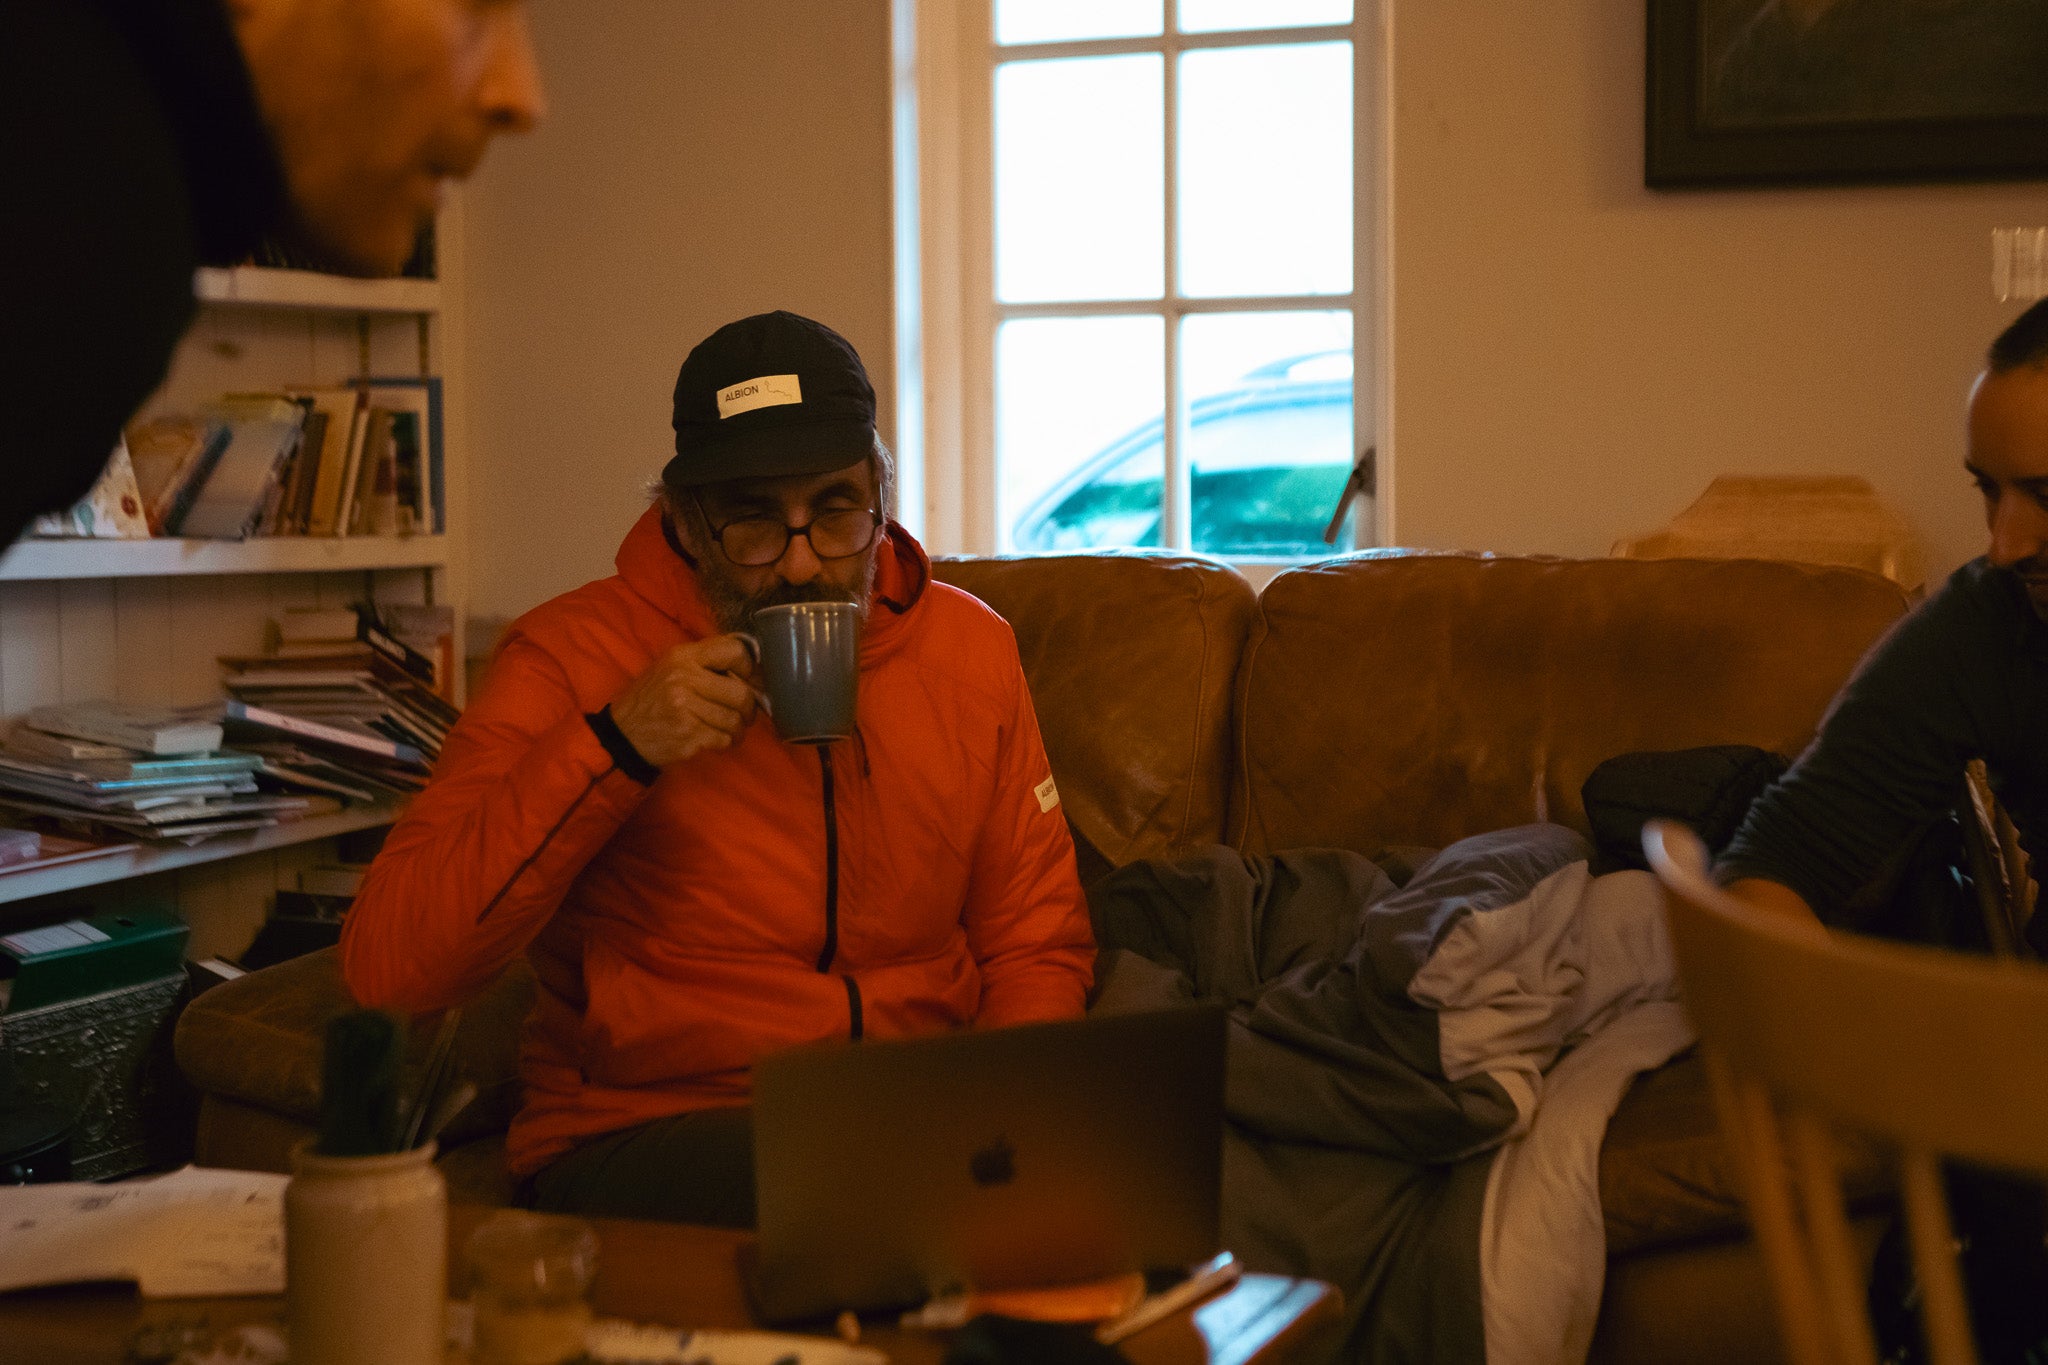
624, 755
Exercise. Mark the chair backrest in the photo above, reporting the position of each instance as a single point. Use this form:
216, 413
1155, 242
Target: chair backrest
1805, 1030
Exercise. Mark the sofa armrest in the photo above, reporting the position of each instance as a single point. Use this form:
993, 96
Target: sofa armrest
256, 1042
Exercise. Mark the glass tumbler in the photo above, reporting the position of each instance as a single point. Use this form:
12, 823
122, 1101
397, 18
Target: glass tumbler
530, 1276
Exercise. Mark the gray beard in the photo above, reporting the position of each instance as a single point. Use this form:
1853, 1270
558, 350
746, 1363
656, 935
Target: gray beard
734, 608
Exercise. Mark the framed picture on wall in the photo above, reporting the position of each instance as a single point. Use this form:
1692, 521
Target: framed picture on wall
1757, 92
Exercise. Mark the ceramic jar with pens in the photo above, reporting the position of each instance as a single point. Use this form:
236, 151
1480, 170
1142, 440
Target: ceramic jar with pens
366, 1211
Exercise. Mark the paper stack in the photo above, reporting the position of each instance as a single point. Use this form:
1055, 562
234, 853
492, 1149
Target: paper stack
165, 778
354, 706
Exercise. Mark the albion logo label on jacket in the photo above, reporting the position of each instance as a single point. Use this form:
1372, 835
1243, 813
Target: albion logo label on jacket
1048, 795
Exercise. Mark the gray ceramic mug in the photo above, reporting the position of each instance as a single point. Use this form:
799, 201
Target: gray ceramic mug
810, 668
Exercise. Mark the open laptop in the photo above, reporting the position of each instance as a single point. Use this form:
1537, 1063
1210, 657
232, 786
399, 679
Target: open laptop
890, 1172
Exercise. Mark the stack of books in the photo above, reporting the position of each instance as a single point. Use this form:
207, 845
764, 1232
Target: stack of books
138, 773
337, 711
363, 459
346, 707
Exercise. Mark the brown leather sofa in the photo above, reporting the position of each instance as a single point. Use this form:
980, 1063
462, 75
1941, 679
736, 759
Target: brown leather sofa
1373, 702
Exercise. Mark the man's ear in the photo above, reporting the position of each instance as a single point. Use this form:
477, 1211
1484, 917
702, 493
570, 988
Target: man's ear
679, 528
670, 533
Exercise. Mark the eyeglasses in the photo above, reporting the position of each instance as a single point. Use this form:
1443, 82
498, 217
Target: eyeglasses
756, 542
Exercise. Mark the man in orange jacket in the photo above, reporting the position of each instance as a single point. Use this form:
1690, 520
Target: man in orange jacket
692, 891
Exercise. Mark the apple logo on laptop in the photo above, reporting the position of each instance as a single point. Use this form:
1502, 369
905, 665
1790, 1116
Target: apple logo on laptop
995, 1164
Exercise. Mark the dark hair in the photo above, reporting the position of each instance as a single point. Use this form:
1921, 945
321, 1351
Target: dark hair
2023, 343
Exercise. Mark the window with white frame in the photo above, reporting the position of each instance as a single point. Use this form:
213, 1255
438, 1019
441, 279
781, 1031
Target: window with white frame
1162, 350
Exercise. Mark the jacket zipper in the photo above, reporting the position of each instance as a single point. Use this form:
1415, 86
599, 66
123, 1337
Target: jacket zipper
831, 865
855, 1022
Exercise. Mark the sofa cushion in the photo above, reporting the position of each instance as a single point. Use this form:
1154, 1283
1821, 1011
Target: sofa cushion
1665, 1174
1398, 697
1130, 658
257, 1040
1666, 1177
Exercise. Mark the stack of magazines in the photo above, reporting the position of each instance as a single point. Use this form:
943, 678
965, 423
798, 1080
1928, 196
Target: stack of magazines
338, 711
364, 709
137, 772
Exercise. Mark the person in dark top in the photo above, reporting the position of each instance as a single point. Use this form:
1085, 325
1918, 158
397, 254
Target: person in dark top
1965, 676
140, 139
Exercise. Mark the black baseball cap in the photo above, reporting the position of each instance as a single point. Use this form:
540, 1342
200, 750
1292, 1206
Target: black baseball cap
769, 396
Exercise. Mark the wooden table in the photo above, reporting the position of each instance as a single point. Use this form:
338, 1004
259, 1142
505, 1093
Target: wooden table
677, 1275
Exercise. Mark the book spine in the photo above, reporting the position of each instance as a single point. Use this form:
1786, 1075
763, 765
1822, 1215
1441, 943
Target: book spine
410, 488
326, 734
298, 488
344, 439
196, 474
436, 480
416, 665
263, 519
431, 439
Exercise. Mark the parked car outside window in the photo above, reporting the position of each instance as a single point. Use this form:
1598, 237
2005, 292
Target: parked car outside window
1267, 460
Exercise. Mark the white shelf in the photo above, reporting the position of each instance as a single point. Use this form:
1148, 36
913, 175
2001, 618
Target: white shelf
164, 556
263, 287
145, 859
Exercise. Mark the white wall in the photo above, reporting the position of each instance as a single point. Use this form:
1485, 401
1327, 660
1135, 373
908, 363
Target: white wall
1575, 357
700, 162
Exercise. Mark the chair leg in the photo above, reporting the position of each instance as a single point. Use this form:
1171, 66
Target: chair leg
1944, 1313
1841, 1276
1751, 1126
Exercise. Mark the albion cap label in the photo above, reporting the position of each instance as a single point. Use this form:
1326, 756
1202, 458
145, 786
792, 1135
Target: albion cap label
769, 391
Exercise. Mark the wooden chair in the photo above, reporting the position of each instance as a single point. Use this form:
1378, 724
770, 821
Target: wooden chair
1804, 1030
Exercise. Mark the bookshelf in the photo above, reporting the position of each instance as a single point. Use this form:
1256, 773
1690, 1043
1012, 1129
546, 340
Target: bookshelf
42, 560
263, 287
145, 620
146, 859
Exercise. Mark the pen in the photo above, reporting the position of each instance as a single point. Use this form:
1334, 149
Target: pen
1205, 1279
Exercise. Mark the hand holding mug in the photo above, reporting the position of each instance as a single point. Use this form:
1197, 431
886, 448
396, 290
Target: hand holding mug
698, 696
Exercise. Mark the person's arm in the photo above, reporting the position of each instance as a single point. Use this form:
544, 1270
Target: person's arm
528, 788
1771, 896
1887, 762
1026, 919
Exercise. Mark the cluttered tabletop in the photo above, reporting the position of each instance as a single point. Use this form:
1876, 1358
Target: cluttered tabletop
660, 1292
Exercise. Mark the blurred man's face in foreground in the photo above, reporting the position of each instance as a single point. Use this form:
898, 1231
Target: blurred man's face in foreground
374, 105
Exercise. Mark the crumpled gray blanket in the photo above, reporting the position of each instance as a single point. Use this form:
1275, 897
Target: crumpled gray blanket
1349, 1154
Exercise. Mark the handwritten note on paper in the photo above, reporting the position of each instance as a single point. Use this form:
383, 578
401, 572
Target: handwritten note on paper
194, 1232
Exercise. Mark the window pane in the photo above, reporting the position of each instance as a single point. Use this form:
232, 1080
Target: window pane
1058, 21
1080, 180
1080, 455
1265, 170
1212, 16
1269, 429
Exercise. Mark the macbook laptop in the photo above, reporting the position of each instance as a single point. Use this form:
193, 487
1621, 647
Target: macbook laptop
890, 1172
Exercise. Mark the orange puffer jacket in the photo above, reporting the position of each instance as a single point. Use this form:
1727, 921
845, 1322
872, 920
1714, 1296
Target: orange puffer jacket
916, 878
